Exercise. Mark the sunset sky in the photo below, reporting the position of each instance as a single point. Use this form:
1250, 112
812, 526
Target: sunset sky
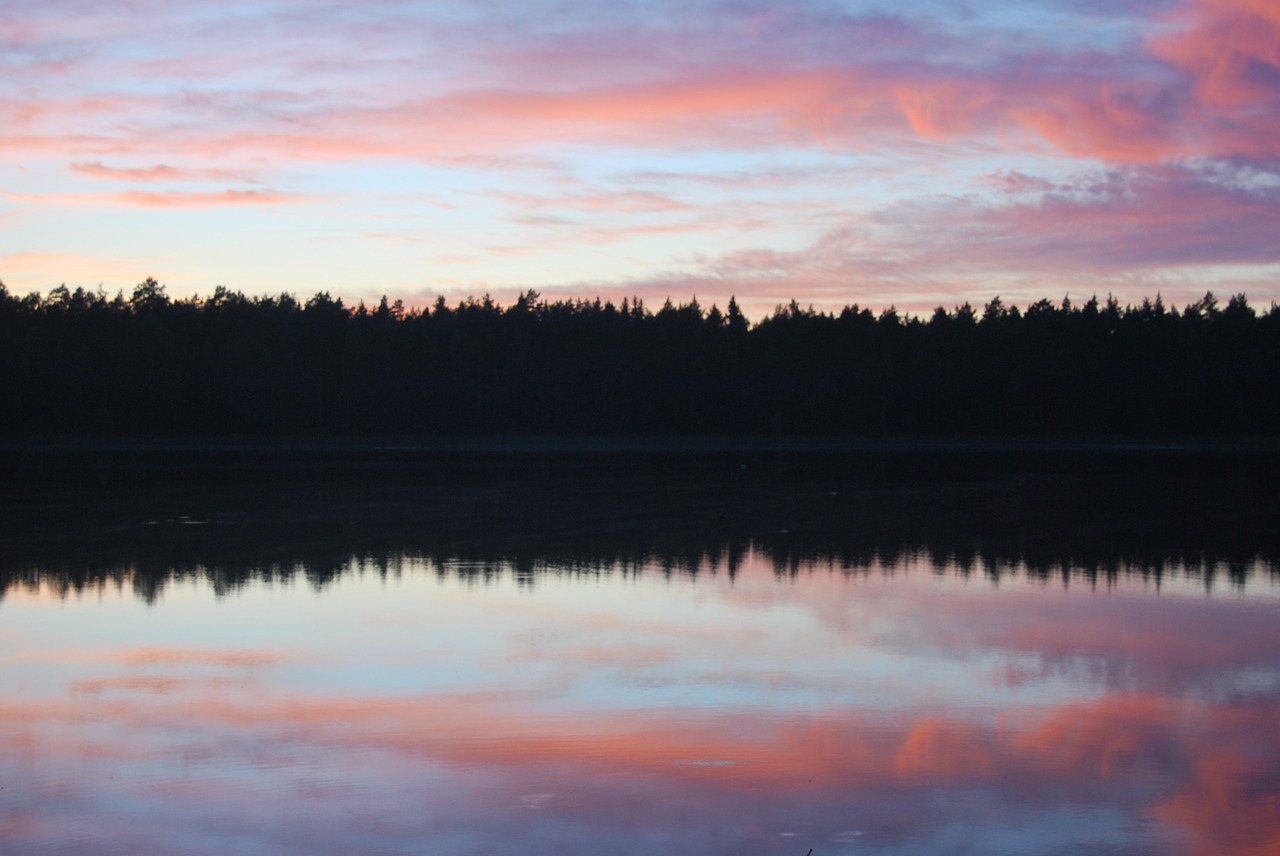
916, 152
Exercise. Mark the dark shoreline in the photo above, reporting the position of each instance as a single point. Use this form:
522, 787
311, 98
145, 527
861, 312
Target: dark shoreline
624, 444
101, 459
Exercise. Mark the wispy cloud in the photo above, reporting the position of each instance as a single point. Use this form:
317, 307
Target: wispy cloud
623, 202
195, 199
1106, 222
167, 199
159, 172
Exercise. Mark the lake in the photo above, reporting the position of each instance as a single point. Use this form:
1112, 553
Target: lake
360, 671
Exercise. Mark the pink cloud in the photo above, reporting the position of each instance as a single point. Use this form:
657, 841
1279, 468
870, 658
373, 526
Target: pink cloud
159, 172
1126, 220
196, 199
1112, 122
1206, 89
1094, 230
699, 96
784, 77
1231, 48
1013, 181
154, 173
944, 109
1231, 51
620, 202
167, 199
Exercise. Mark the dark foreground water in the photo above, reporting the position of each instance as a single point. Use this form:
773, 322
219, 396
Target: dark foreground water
199, 684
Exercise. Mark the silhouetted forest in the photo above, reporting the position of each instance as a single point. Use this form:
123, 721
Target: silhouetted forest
81, 362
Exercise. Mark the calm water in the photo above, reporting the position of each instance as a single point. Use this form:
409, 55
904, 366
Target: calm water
419, 706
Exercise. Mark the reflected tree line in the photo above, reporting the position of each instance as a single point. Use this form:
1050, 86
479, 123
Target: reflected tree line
147, 573
1091, 531
87, 362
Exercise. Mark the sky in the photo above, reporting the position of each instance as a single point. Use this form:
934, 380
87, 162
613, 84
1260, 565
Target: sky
913, 153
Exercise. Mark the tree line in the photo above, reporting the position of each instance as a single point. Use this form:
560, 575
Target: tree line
78, 362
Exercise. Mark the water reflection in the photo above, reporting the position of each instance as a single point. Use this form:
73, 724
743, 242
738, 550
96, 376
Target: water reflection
409, 704
148, 530
146, 569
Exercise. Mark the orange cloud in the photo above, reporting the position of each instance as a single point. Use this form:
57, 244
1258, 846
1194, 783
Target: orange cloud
1232, 47
944, 109
1114, 123
42, 271
1231, 50
693, 97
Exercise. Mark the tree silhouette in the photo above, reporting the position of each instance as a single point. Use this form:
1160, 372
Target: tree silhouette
80, 362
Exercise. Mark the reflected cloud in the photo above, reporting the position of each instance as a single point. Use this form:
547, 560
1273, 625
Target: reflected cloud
198, 657
356, 689
148, 656
1204, 769
139, 683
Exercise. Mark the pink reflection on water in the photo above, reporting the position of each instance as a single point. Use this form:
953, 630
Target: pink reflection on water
153, 748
